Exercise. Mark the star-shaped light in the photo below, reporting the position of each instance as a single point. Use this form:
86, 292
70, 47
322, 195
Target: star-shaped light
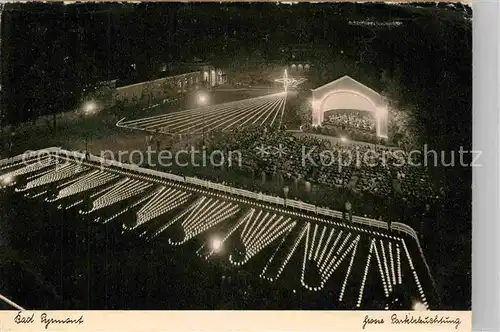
289, 81
285, 80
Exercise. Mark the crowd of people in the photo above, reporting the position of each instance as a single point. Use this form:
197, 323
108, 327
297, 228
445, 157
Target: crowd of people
360, 126
363, 170
351, 119
355, 125
364, 167
350, 133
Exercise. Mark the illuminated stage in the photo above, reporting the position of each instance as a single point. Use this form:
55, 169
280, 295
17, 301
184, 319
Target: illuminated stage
347, 93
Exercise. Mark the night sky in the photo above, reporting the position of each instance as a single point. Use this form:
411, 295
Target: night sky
51, 52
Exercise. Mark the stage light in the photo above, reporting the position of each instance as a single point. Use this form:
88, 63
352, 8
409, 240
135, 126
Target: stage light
216, 244
343, 139
202, 99
419, 306
90, 107
7, 179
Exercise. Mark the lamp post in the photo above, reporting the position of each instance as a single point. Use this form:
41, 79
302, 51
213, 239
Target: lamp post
348, 207
285, 193
202, 101
88, 109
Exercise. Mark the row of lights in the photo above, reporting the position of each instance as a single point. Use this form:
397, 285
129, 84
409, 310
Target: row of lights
331, 266
254, 110
267, 234
324, 259
209, 214
216, 244
85, 183
70, 206
325, 246
207, 205
29, 162
252, 226
164, 201
303, 272
317, 218
210, 222
92, 196
151, 123
386, 267
67, 183
383, 253
339, 224
393, 272
181, 215
398, 261
320, 241
313, 239
266, 108
327, 264
181, 120
121, 191
415, 276
5, 178
211, 205
126, 209
330, 252
287, 258
39, 194
34, 176
53, 175
11, 165
324, 264
107, 188
202, 100
352, 246
365, 273
185, 118
30, 165
386, 290
348, 273
228, 211
157, 121
72, 181
148, 178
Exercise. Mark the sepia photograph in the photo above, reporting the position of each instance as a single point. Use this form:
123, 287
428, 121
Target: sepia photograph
236, 156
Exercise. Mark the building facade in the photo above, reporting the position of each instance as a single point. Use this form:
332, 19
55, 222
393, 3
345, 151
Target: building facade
201, 75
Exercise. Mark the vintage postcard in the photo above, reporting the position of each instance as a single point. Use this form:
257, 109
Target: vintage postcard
236, 157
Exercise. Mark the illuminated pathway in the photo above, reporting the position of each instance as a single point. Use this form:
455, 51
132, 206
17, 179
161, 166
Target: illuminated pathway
354, 262
265, 110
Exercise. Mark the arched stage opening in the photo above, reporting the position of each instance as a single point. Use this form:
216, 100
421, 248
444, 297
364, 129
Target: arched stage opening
346, 93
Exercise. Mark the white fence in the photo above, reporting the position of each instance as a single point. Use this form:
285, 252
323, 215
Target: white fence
370, 222
28, 155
